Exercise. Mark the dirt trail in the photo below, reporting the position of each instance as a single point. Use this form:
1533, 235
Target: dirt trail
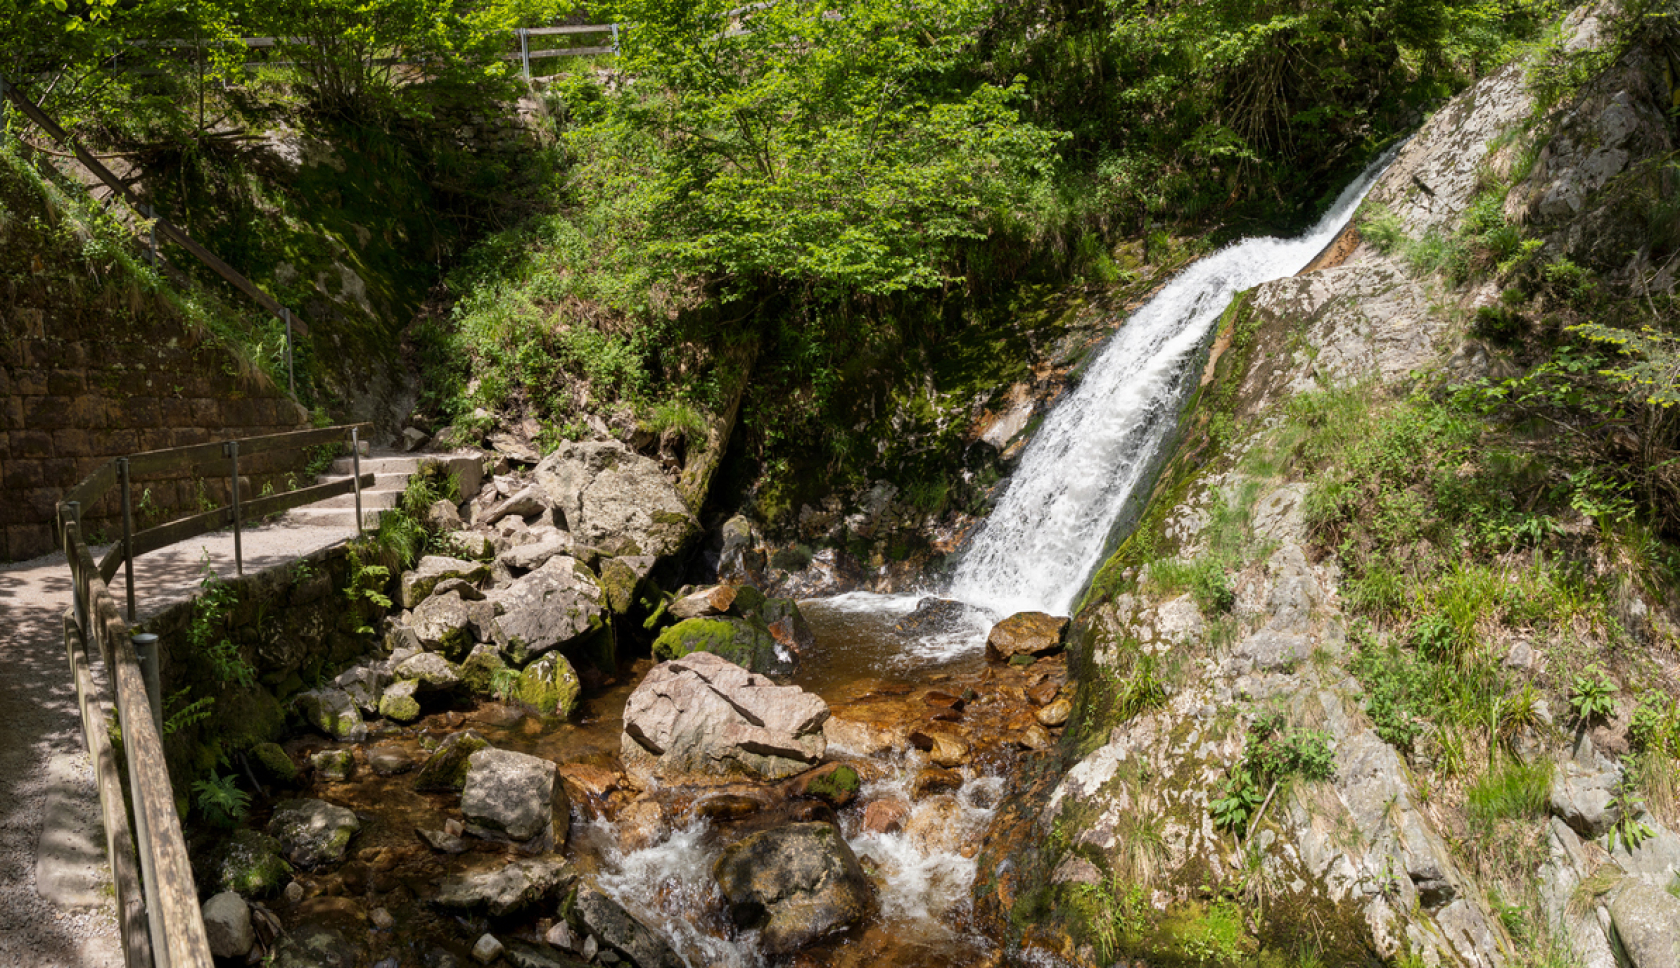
56, 906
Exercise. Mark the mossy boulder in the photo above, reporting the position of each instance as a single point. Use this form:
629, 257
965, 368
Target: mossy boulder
478, 670
622, 578
272, 760
398, 703
549, 685
332, 711
249, 864
745, 642
446, 770
313, 833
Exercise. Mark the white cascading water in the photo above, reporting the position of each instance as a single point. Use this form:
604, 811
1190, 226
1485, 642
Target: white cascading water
1049, 531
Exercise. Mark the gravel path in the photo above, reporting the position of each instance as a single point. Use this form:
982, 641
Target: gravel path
56, 905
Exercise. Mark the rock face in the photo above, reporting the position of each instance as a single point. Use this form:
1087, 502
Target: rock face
512, 795
1582, 791
704, 715
417, 585
313, 832
617, 930
1025, 633
797, 883
332, 711
508, 888
615, 499
555, 606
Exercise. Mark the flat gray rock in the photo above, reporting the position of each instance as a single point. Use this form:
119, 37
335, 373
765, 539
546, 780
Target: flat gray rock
515, 796
550, 608
506, 889
417, 585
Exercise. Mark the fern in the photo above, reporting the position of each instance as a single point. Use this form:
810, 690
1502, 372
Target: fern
221, 802
190, 714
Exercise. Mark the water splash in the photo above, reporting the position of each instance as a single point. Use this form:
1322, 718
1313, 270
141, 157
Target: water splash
1052, 526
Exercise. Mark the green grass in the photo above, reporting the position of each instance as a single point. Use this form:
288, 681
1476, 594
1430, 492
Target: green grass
1511, 791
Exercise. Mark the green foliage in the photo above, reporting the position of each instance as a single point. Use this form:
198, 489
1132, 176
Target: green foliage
368, 582
1592, 694
1627, 829
185, 714
1273, 753
1513, 791
1655, 727
1649, 364
1142, 689
220, 800
208, 635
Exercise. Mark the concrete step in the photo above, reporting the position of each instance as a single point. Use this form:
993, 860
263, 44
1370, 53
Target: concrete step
381, 498
382, 481
324, 517
376, 465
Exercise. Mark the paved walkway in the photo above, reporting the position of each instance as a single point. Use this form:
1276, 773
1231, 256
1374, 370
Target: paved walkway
56, 903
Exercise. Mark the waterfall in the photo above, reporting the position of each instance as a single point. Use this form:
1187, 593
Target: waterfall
1051, 528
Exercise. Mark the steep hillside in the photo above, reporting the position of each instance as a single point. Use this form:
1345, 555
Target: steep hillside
1386, 673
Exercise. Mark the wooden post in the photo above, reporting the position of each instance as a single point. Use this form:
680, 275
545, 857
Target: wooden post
128, 534
356, 472
525, 54
231, 449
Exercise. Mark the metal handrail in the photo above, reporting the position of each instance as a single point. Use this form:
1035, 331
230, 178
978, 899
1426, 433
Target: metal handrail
158, 914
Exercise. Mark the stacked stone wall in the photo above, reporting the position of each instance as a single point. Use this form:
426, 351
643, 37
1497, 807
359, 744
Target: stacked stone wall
75, 392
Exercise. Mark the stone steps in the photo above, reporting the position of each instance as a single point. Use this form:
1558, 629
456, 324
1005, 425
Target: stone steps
391, 472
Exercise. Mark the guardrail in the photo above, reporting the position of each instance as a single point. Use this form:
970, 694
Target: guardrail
158, 914
160, 226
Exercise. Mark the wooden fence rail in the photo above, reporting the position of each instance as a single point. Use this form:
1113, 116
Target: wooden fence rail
158, 913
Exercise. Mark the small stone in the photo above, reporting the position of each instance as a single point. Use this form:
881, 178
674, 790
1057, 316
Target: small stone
293, 893
389, 760
1044, 693
487, 950
398, 703
1055, 714
334, 766
589, 949
1025, 634
560, 936
943, 748
442, 841
227, 925
382, 919
1034, 737
885, 816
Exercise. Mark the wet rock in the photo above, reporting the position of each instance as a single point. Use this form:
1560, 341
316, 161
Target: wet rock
616, 499
744, 642
333, 712
1025, 634
834, 783
389, 760
858, 738
885, 816
446, 769
311, 945
1044, 693
441, 841
275, 764
728, 806
622, 580
943, 748
333, 765
417, 585
1647, 921
227, 925
524, 503
507, 888
933, 616
784, 621
614, 929
364, 684
249, 862
515, 796
313, 832
706, 602
398, 703
797, 883
431, 671
641, 824
1033, 736
704, 715
555, 606
487, 949
478, 670
447, 623
935, 825
1055, 714
549, 685
934, 780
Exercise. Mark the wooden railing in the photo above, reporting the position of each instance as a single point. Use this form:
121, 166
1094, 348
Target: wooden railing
158, 914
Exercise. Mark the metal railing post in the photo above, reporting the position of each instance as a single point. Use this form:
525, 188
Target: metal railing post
291, 376
231, 449
525, 53
615, 38
356, 474
128, 534
146, 647
73, 534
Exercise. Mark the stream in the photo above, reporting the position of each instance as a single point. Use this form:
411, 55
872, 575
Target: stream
1050, 530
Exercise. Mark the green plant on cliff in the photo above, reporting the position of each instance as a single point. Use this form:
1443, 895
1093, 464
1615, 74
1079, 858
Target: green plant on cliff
366, 588
1273, 754
208, 635
220, 800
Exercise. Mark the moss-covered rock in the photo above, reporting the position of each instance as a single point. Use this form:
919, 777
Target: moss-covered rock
398, 703
478, 670
622, 578
249, 864
272, 760
744, 642
447, 769
549, 685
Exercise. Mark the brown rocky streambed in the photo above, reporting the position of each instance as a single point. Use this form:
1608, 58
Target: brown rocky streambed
393, 863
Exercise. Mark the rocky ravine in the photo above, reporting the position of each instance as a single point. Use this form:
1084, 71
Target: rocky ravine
1357, 865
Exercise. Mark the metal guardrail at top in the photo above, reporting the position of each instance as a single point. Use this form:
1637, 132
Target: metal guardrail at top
158, 915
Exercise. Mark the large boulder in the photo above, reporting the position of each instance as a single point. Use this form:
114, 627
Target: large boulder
549, 685
704, 715
1647, 923
313, 832
1025, 634
622, 578
555, 606
796, 883
417, 585
614, 929
332, 711
447, 623
446, 770
364, 684
616, 499
507, 888
742, 641
514, 796
433, 672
